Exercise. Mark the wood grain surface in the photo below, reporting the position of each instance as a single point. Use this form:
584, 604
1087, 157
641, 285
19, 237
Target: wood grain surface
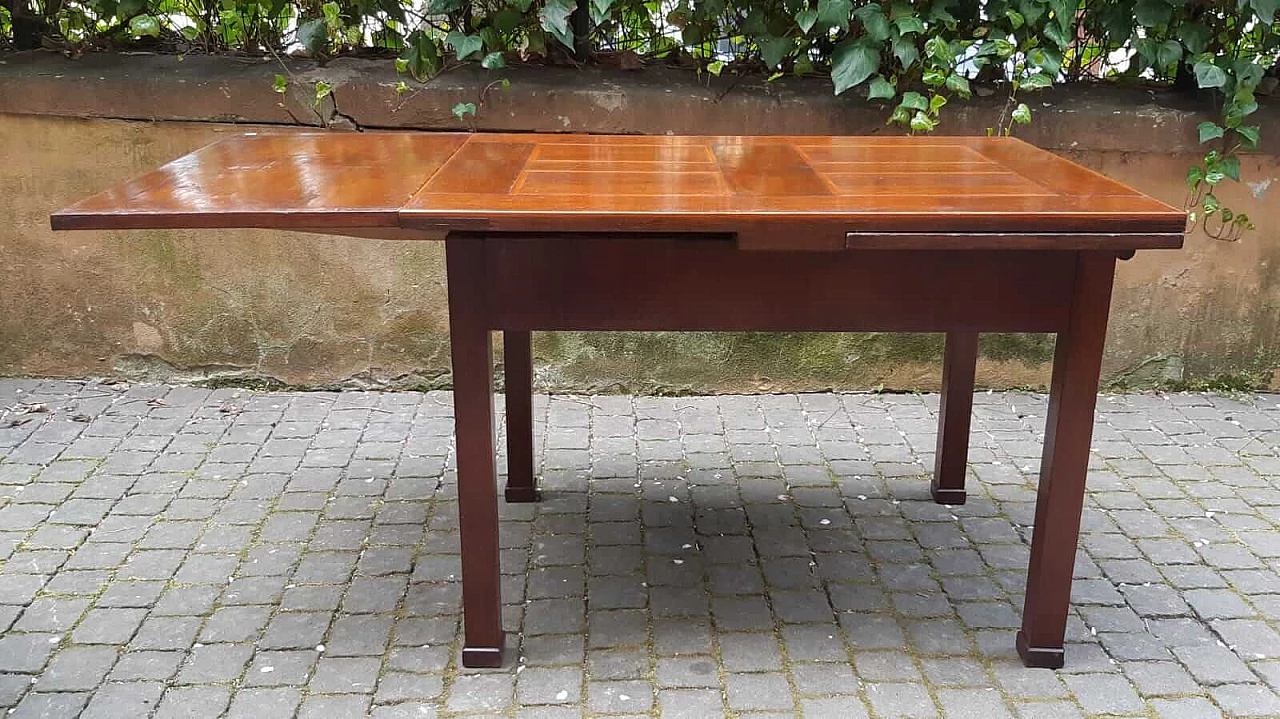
769, 192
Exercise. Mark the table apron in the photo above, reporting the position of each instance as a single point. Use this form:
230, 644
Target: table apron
710, 285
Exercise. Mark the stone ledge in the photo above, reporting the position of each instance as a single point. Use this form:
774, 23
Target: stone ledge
655, 100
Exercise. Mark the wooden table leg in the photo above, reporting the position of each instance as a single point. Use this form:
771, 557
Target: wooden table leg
954, 413
472, 350
1077, 362
517, 355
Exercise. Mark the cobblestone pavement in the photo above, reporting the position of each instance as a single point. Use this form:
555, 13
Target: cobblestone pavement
181, 552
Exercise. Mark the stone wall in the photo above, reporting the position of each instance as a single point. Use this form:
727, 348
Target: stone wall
318, 311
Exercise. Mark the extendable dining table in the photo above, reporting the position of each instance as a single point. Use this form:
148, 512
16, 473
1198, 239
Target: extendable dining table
590, 232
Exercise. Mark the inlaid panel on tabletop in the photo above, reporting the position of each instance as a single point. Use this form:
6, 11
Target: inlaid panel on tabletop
822, 186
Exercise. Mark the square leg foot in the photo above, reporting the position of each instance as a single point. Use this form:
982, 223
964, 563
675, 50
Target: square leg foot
482, 657
947, 495
1040, 657
522, 494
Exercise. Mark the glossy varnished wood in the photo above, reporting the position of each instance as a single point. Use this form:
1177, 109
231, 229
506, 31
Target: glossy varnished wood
769, 192
303, 181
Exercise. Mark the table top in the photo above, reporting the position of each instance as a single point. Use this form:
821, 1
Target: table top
773, 192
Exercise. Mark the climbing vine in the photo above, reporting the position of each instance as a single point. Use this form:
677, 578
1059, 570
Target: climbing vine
915, 56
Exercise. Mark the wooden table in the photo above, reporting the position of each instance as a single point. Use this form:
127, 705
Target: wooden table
574, 232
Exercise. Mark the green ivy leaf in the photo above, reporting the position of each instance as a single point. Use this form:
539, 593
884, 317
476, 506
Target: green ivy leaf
940, 11
1015, 18
852, 64
773, 50
904, 48
914, 101
1060, 37
835, 13
494, 61
1168, 53
1022, 114
462, 109
1195, 175
881, 89
921, 122
900, 116
421, 56
144, 25
129, 8
1036, 81
873, 21
1249, 136
280, 84
1266, 9
444, 7
507, 20
959, 85
715, 68
908, 24
806, 19
1231, 167
1195, 36
1209, 75
314, 36
464, 46
554, 17
1152, 13
1047, 59
933, 78
323, 90
936, 103
1210, 131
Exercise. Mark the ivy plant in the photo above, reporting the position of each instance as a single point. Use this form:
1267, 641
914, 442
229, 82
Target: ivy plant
915, 57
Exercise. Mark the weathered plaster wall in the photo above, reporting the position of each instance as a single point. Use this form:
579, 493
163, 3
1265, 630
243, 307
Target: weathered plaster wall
312, 310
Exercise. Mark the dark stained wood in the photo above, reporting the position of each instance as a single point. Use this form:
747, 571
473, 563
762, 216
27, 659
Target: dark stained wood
574, 232
1060, 499
1122, 243
955, 407
598, 283
517, 360
471, 346
774, 193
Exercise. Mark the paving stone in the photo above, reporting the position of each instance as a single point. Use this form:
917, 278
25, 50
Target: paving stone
690, 703
900, 700
124, 699
480, 693
1212, 664
25, 653
972, 704
1104, 693
538, 685
256, 703
1246, 700
38, 705
76, 669
1185, 708
211, 663
756, 692
193, 703
331, 707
